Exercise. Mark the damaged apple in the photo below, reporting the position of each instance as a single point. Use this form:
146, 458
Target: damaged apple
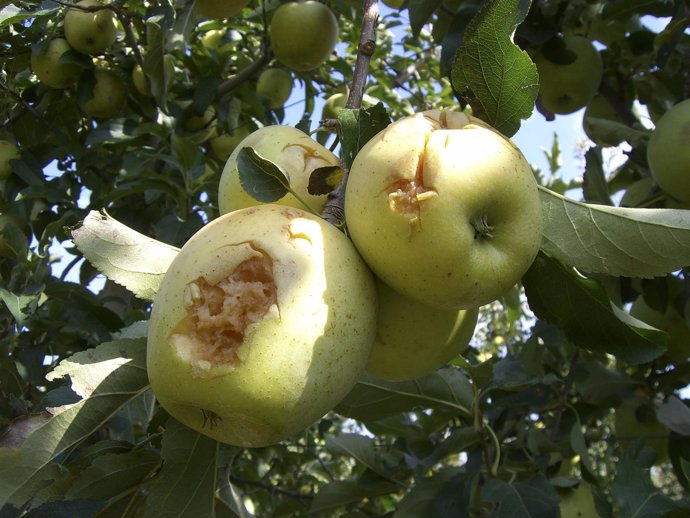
262, 324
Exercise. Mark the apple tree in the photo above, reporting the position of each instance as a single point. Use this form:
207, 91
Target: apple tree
122, 140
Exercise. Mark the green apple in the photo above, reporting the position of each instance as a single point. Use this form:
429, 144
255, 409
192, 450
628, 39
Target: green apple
565, 88
636, 418
444, 209
303, 34
90, 32
220, 9
262, 324
48, 68
413, 339
577, 502
139, 80
668, 151
108, 96
223, 145
216, 40
8, 151
289, 148
599, 108
671, 322
334, 105
274, 85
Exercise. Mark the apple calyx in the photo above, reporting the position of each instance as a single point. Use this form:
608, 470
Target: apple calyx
482, 229
211, 335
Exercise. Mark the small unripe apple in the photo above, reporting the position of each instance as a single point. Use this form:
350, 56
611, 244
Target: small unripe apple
668, 151
334, 105
90, 32
108, 95
8, 151
413, 339
636, 418
216, 40
139, 80
669, 321
289, 148
219, 9
48, 68
565, 88
303, 34
223, 145
599, 108
262, 324
274, 85
444, 209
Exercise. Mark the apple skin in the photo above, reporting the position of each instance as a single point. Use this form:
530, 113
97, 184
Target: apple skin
8, 151
215, 40
220, 9
567, 88
48, 68
671, 322
274, 85
223, 145
333, 106
297, 360
636, 418
108, 96
303, 34
668, 151
291, 149
413, 340
444, 209
90, 33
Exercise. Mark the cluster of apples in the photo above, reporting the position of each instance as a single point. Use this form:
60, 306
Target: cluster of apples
269, 314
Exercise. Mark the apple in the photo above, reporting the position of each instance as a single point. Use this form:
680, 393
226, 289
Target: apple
274, 85
636, 418
444, 209
303, 34
108, 96
577, 502
8, 151
48, 68
599, 108
223, 145
565, 88
668, 151
333, 106
262, 324
216, 40
413, 339
220, 9
289, 148
671, 322
90, 32
139, 78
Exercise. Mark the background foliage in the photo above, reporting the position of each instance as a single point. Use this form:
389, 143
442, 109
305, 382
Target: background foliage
528, 423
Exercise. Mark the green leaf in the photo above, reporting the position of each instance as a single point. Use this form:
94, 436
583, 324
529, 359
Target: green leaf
530, 498
112, 131
325, 179
358, 127
372, 398
260, 178
421, 12
675, 415
124, 255
109, 376
420, 500
10, 14
360, 448
341, 493
500, 75
616, 241
581, 308
595, 189
185, 486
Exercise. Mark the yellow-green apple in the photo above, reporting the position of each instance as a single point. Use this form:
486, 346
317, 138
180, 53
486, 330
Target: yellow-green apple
599, 110
139, 78
219, 8
262, 324
668, 151
48, 68
636, 418
293, 151
8, 151
567, 87
108, 95
413, 339
577, 502
303, 34
333, 106
223, 145
274, 85
90, 32
669, 321
217, 41
444, 209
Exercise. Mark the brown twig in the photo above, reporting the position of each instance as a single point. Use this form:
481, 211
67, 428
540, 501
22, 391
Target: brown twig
243, 75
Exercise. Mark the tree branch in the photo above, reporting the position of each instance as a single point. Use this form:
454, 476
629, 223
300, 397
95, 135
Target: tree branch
246, 73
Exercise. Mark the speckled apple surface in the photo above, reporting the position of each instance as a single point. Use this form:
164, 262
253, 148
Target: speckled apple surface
294, 364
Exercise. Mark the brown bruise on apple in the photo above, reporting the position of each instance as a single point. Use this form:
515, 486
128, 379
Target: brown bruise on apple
211, 335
